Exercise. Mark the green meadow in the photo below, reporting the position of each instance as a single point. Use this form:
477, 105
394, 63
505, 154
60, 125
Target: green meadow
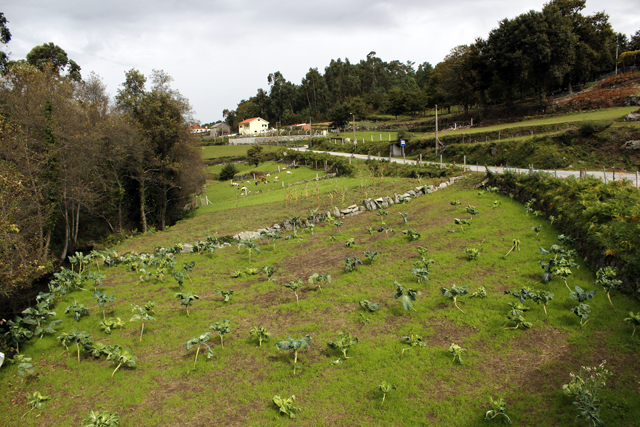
236, 385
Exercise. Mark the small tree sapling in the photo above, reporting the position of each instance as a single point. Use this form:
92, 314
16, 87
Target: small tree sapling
260, 334
350, 243
407, 295
634, 320
498, 408
77, 310
294, 345
268, 271
607, 279
186, 299
319, 278
35, 401
222, 328
516, 246
343, 343
462, 223
293, 285
472, 253
472, 210
102, 298
141, 315
457, 352
197, 342
371, 255
405, 216
386, 387
454, 292
122, 357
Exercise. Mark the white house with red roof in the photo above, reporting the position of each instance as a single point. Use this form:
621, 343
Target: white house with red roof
198, 129
253, 126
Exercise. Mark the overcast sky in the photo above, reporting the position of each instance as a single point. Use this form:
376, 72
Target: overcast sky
220, 52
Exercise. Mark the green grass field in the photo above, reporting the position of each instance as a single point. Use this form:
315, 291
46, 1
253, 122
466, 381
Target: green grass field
236, 386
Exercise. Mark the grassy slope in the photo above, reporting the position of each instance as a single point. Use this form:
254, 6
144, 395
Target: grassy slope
235, 387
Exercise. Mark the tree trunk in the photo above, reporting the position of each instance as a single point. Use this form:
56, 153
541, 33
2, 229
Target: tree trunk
143, 218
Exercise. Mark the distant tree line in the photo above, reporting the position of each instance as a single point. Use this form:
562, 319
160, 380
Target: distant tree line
533, 54
76, 166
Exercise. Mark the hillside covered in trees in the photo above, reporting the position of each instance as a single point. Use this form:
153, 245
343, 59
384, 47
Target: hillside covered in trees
77, 166
532, 55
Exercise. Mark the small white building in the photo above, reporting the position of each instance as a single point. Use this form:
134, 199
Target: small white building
198, 129
253, 126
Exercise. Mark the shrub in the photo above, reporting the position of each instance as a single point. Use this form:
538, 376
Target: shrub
227, 172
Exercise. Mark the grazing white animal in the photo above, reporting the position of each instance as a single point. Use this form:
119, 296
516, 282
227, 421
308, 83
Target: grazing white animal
268, 174
235, 184
289, 172
245, 190
276, 178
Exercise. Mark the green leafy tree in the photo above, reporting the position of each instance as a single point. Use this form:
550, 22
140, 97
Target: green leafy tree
222, 328
386, 387
286, 406
186, 299
293, 285
294, 345
454, 292
457, 352
101, 419
260, 334
227, 172
35, 401
197, 342
343, 343
498, 409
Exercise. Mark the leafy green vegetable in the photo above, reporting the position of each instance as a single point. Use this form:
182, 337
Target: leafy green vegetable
286, 405
454, 292
343, 343
260, 334
294, 345
407, 295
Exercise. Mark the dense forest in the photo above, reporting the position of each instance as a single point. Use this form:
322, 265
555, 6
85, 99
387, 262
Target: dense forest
76, 166
532, 55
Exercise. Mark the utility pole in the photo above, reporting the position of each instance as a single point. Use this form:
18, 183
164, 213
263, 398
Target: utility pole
437, 130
